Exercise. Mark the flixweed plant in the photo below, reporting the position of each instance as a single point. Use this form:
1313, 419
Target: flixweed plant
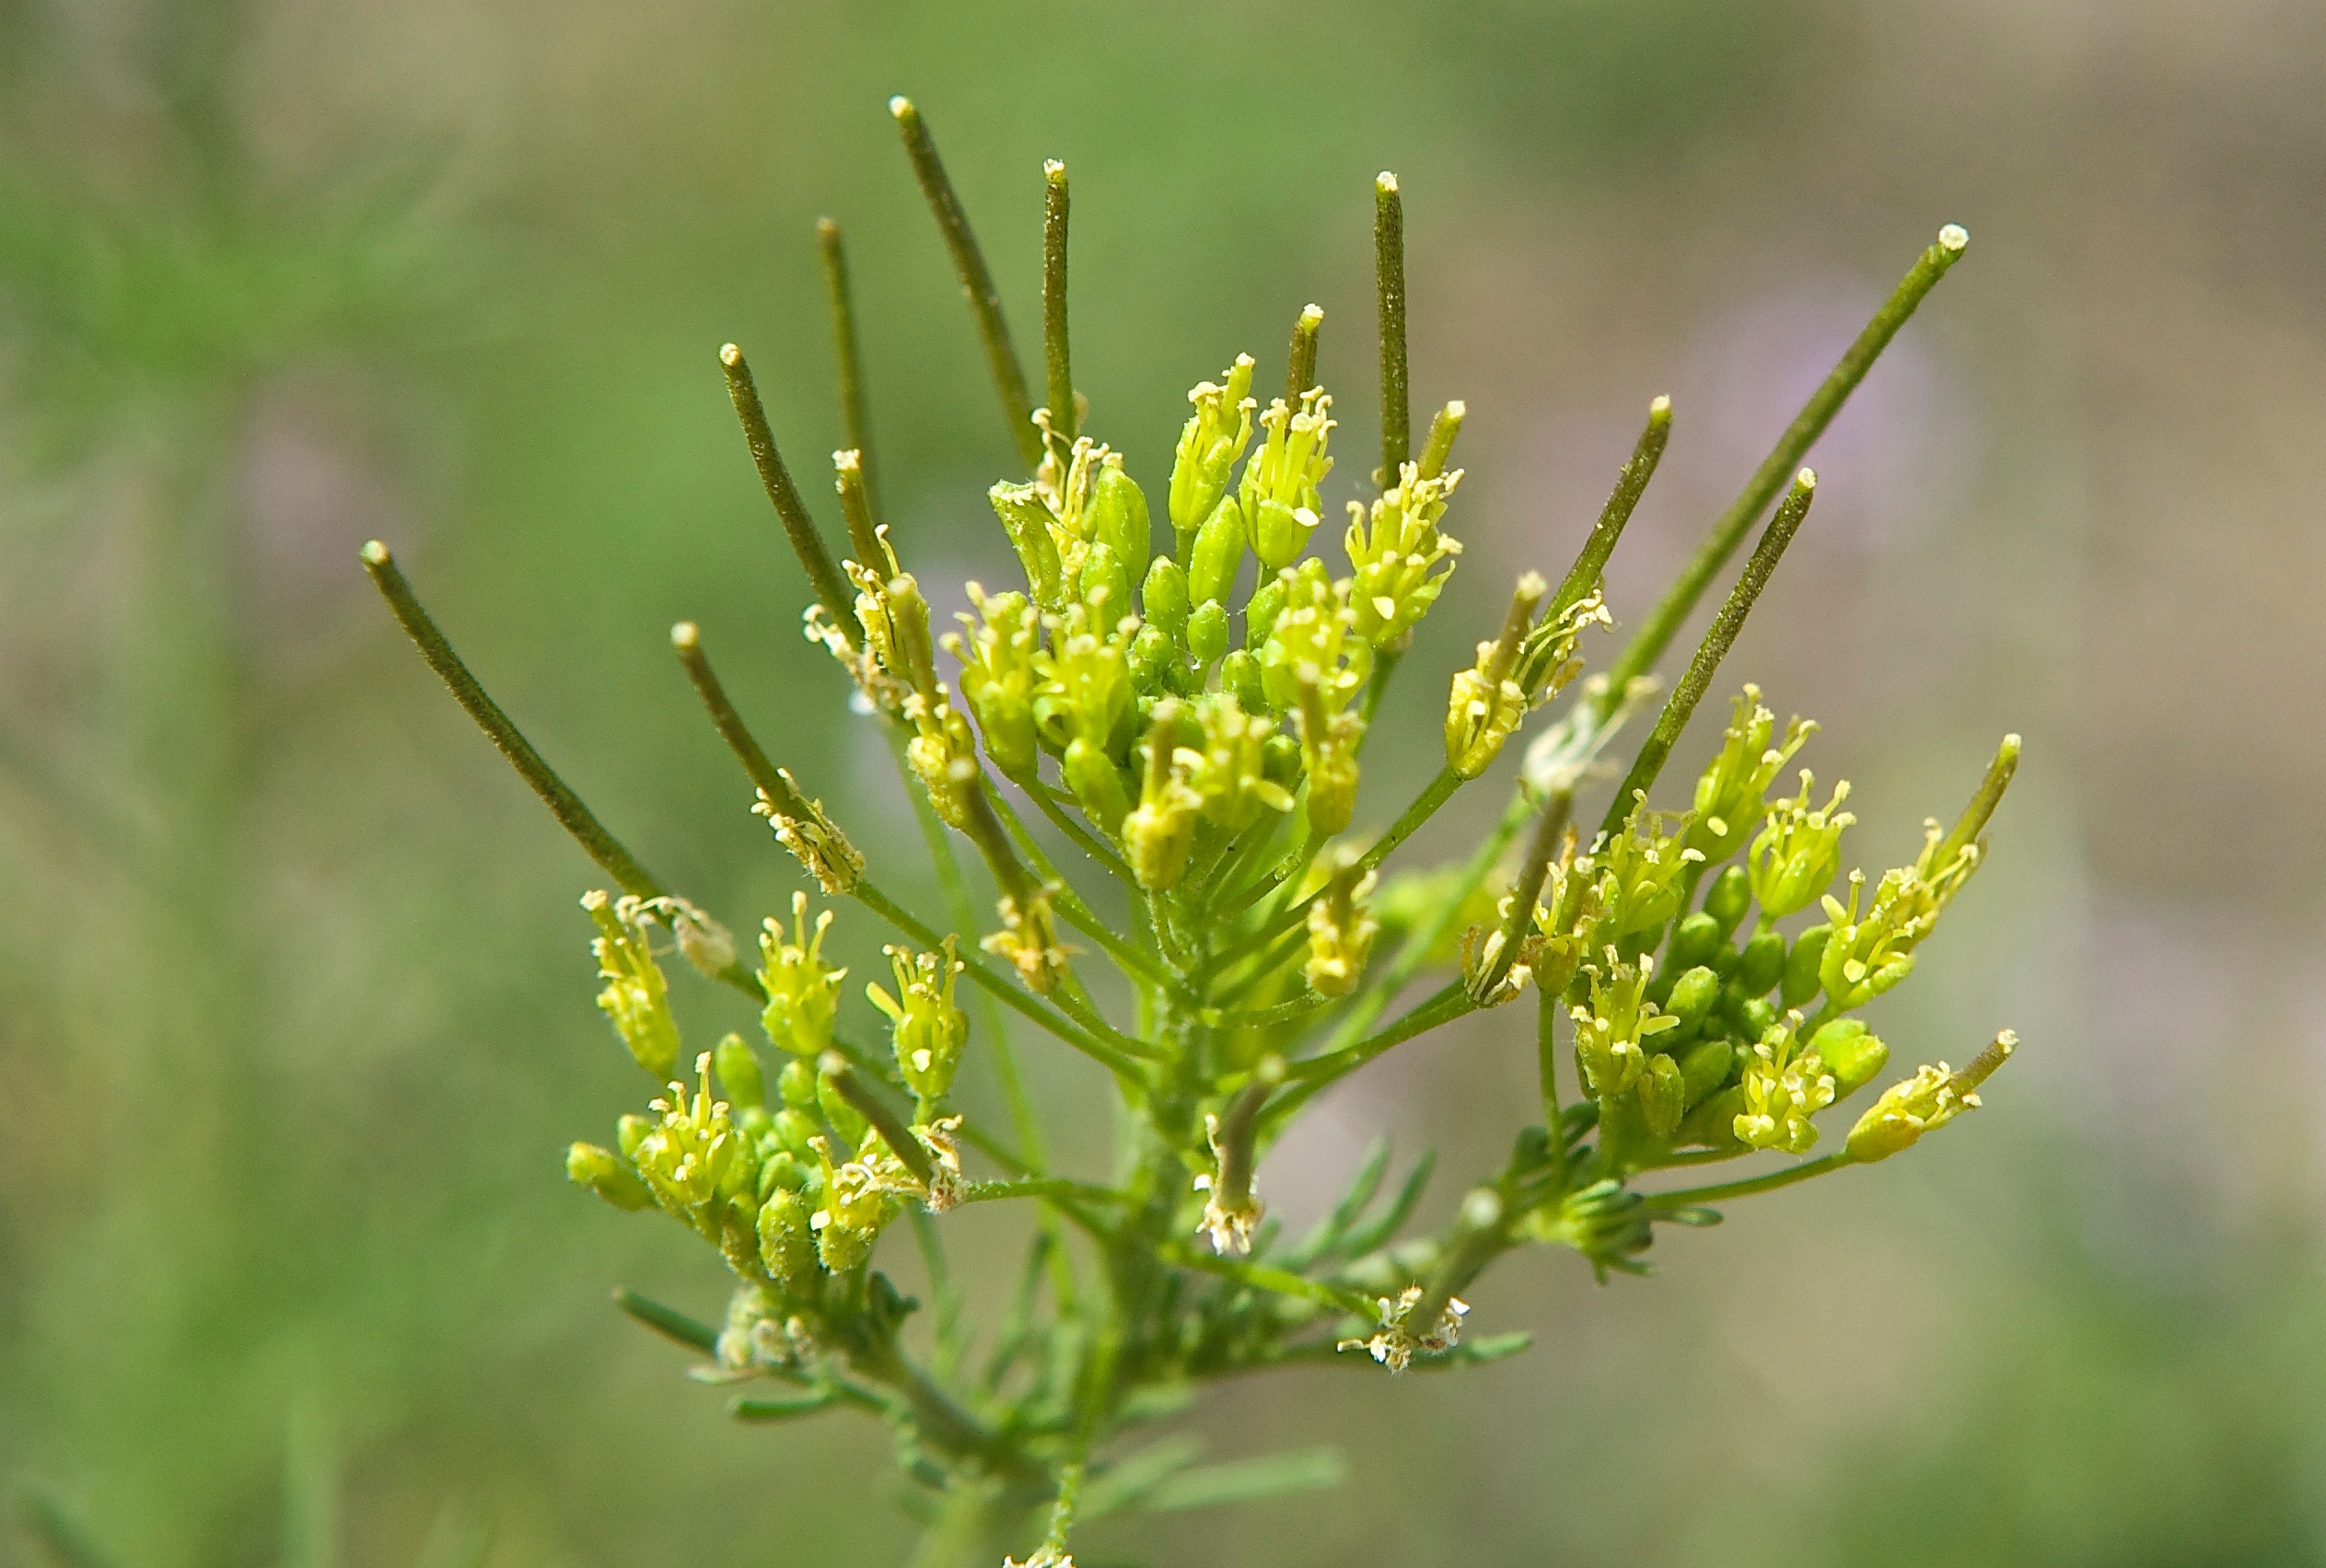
1193, 729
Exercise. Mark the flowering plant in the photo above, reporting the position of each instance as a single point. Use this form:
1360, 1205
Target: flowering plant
1192, 731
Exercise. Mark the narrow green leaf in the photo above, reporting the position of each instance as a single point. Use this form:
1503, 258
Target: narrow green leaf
1250, 1481
671, 1323
1131, 1480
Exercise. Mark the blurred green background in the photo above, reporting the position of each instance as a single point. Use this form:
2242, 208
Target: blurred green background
294, 1005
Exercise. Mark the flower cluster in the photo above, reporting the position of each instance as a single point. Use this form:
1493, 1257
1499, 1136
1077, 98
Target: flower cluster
1187, 711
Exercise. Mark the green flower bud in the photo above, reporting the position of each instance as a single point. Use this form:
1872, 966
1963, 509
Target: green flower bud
1104, 584
1801, 965
1693, 941
1397, 556
1931, 1098
781, 1171
1751, 1014
1693, 997
1261, 610
1762, 965
1240, 673
737, 1068
629, 1132
1785, 1085
1727, 899
1207, 631
797, 1085
1855, 1057
943, 756
795, 1125
1328, 744
1219, 550
1279, 760
1119, 520
1215, 437
1609, 1031
787, 1245
1163, 599
608, 1174
1097, 785
925, 1026
803, 992
1728, 794
636, 998
1281, 501
1663, 1095
1712, 1123
1799, 852
1704, 1068
1154, 659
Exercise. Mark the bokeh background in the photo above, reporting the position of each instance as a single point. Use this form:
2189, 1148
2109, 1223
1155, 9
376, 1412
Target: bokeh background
295, 1009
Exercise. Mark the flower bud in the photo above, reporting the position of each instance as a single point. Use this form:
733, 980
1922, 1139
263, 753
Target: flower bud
1219, 550
1028, 938
635, 998
1801, 965
1727, 899
1207, 631
1486, 706
1694, 939
1704, 1068
787, 1245
1154, 661
998, 675
737, 1068
1693, 997
925, 1028
1855, 1057
1240, 673
1103, 584
797, 1126
1711, 1124
1261, 610
1097, 785
1663, 1095
1163, 599
803, 992
629, 1132
797, 1085
1119, 520
1762, 965
609, 1176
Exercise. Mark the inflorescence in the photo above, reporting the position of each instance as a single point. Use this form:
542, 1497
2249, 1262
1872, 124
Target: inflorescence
1188, 706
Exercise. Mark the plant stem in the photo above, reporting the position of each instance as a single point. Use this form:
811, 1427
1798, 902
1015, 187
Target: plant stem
1690, 1196
1546, 1056
855, 422
831, 588
977, 281
1663, 623
1682, 703
1388, 279
1527, 891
